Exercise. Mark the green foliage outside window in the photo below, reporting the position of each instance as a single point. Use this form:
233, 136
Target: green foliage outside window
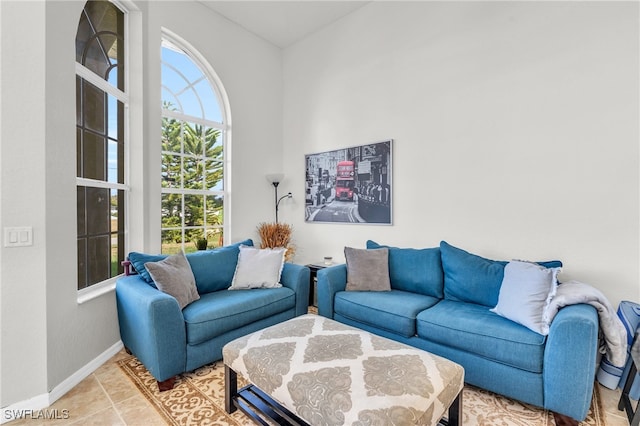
192, 160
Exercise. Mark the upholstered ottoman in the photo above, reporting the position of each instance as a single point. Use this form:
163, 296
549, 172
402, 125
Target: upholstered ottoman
313, 370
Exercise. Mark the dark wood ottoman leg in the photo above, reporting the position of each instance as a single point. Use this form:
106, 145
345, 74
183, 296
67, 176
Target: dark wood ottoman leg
455, 411
230, 388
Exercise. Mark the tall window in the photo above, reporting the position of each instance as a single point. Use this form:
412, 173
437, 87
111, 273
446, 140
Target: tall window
101, 102
193, 131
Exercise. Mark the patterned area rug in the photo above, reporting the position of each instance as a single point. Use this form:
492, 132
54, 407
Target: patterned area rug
198, 398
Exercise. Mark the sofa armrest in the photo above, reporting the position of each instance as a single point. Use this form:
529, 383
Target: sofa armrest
330, 281
151, 327
570, 360
296, 277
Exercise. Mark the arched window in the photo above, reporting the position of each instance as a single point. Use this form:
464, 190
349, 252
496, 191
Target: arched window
194, 127
101, 105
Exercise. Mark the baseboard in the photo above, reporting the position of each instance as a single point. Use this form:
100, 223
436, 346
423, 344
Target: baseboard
24, 409
73, 380
31, 406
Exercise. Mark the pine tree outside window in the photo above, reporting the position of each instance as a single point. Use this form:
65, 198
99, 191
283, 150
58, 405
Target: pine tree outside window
193, 161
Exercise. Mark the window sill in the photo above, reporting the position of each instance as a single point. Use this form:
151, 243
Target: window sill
96, 290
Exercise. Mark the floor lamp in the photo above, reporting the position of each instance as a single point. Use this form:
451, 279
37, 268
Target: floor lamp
275, 179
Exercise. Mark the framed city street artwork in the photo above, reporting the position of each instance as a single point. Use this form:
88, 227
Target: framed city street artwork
350, 185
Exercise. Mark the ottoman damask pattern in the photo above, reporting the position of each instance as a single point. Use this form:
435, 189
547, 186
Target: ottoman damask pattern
328, 373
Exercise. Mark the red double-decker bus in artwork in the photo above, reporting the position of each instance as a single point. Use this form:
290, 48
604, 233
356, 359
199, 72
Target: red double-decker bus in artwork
345, 180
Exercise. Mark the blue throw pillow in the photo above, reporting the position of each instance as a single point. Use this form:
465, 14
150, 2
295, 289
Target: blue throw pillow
474, 279
214, 269
415, 270
139, 259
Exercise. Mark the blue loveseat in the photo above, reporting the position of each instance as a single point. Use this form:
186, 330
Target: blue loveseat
170, 341
440, 301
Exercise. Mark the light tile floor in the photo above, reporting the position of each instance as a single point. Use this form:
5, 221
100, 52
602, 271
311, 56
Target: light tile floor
108, 397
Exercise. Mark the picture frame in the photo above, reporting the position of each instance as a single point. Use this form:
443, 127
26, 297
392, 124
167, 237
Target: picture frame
350, 185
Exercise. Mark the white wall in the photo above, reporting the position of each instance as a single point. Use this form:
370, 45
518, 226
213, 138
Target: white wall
22, 176
515, 128
46, 336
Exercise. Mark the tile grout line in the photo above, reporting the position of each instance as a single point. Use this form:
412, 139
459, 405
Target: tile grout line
113, 404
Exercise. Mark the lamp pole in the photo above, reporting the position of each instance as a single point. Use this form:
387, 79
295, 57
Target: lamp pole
275, 179
275, 185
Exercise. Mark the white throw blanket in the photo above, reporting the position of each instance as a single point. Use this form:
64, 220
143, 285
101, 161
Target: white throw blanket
615, 335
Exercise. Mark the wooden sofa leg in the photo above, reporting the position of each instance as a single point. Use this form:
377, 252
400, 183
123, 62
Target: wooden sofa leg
562, 420
166, 385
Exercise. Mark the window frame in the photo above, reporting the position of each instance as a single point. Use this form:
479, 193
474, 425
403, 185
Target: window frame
92, 291
225, 133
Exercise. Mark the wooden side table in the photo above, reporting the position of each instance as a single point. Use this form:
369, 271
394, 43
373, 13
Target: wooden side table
313, 279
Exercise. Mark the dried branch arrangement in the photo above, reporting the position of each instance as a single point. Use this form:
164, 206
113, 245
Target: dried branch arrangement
277, 235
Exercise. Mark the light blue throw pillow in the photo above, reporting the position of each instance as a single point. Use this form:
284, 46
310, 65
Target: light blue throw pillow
474, 279
527, 289
415, 270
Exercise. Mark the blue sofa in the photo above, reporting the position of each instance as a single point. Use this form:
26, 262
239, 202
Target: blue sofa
170, 341
440, 301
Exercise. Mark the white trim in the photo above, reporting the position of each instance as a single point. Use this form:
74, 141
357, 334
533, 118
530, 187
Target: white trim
93, 183
96, 290
190, 118
73, 380
100, 83
192, 191
12, 412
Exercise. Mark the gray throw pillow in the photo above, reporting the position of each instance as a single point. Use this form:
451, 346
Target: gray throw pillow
367, 270
173, 276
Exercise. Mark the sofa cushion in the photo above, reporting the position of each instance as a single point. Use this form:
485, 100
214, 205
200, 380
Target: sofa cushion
393, 311
415, 270
213, 271
367, 270
258, 268
221, 311
475, 329
173, 276
474, 279
526, 290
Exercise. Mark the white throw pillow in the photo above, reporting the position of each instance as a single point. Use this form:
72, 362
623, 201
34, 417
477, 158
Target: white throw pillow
258, 268
527, 288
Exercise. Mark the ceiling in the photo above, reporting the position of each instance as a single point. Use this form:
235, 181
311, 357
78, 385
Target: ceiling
283, 23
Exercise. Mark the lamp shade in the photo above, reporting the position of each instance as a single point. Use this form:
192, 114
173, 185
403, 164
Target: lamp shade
275, 177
